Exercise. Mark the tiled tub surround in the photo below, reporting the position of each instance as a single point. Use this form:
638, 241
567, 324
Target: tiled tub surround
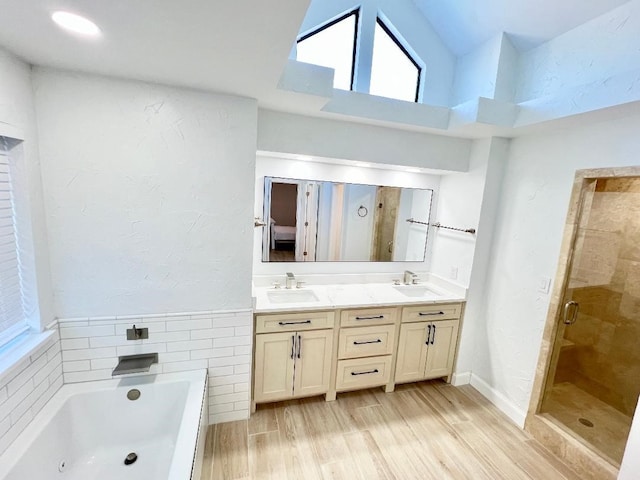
217, 341
27, 386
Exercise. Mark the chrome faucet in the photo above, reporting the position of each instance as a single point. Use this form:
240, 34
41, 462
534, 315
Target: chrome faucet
410, 277
291, 280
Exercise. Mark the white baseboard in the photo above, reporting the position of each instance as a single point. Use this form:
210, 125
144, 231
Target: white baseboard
462, 378
499, 400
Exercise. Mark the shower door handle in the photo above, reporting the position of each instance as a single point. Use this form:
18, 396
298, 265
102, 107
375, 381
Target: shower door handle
570, 315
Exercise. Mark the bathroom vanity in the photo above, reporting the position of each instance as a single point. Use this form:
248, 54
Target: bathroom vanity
327, 339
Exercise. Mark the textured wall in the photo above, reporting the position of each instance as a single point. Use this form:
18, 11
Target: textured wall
149, 192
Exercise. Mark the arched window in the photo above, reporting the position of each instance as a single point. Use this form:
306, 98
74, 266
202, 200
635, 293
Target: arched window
394, 72
333, 45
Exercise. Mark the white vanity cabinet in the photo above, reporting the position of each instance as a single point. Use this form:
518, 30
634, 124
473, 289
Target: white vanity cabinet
293, 355
428, 340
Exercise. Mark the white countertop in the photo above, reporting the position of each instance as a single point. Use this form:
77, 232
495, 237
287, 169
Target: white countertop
321, 296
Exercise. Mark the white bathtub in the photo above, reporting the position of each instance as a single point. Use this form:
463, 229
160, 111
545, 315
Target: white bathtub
87, 429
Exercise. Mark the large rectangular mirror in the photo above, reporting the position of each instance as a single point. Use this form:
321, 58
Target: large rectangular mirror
318, 221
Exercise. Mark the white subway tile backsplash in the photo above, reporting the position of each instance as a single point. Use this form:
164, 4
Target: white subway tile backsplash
184, 366
230, 360
79, 332
212, 333
142, 348
232, 341
88, 354
175, 357
27, 387
74, 343
162, 337
220, 342
76, 366
75, 377
221, 389
190, 345
102, 363
188, 324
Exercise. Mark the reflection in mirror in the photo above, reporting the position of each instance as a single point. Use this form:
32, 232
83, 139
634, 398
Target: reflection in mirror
314, 221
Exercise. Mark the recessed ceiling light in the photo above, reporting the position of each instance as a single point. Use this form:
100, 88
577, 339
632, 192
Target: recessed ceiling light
75, 23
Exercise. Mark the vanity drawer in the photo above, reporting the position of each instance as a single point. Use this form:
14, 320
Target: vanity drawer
367, 316
363, 372
366, 341
290, 322
431, 312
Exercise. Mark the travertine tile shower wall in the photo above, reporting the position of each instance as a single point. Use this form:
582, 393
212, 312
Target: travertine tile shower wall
27, 387
217, 341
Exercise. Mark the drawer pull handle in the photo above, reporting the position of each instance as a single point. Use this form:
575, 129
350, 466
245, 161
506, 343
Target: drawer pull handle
368, 341
375, 317
294, 323
430, 314
365, 373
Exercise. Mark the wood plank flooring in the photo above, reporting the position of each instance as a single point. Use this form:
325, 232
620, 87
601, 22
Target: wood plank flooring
427, 430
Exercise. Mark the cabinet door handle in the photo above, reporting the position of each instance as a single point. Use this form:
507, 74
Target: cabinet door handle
375, 317
293, 345
428, 334
430, 314
299, 346
433, 335
368, 341
294, 323
365, 373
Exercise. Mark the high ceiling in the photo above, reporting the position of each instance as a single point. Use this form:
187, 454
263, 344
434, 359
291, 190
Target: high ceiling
234, 46
465, 24
241, 46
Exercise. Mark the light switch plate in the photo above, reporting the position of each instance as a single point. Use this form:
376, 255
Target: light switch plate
544, 284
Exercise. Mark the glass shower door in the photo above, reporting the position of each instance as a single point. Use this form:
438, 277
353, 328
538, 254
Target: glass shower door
593, 384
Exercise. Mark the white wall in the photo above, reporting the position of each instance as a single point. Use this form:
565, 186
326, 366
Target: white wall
591, 53
530, 221
476, 72
321, 137
631, 461
357, 231
278, 166
148, 195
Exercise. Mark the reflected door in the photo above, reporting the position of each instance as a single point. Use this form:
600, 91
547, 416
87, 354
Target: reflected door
592, 385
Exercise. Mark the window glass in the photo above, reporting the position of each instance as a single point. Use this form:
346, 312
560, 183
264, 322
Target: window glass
394, 74
332, 46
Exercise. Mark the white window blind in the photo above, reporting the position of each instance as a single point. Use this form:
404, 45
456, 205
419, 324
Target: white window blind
12, 318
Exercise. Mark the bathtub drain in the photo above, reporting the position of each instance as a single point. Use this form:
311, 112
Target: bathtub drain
131, 458
133, 394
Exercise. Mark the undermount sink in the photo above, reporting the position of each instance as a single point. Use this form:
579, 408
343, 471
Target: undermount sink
414, 290
291, 296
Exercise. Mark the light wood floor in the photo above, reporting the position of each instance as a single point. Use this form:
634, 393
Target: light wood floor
608, 435
428, 430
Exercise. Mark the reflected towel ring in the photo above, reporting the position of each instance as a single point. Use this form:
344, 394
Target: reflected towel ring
362, 211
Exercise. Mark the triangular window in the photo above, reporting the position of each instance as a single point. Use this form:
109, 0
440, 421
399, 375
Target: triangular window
394, 72
332, 45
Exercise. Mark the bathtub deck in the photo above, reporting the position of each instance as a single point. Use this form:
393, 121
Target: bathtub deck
428, 430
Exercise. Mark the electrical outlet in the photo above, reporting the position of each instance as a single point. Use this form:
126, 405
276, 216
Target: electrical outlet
544, 284
454, 273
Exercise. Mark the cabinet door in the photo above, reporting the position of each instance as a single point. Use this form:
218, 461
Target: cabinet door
313, 362
412, 352
274, 365
442, 348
